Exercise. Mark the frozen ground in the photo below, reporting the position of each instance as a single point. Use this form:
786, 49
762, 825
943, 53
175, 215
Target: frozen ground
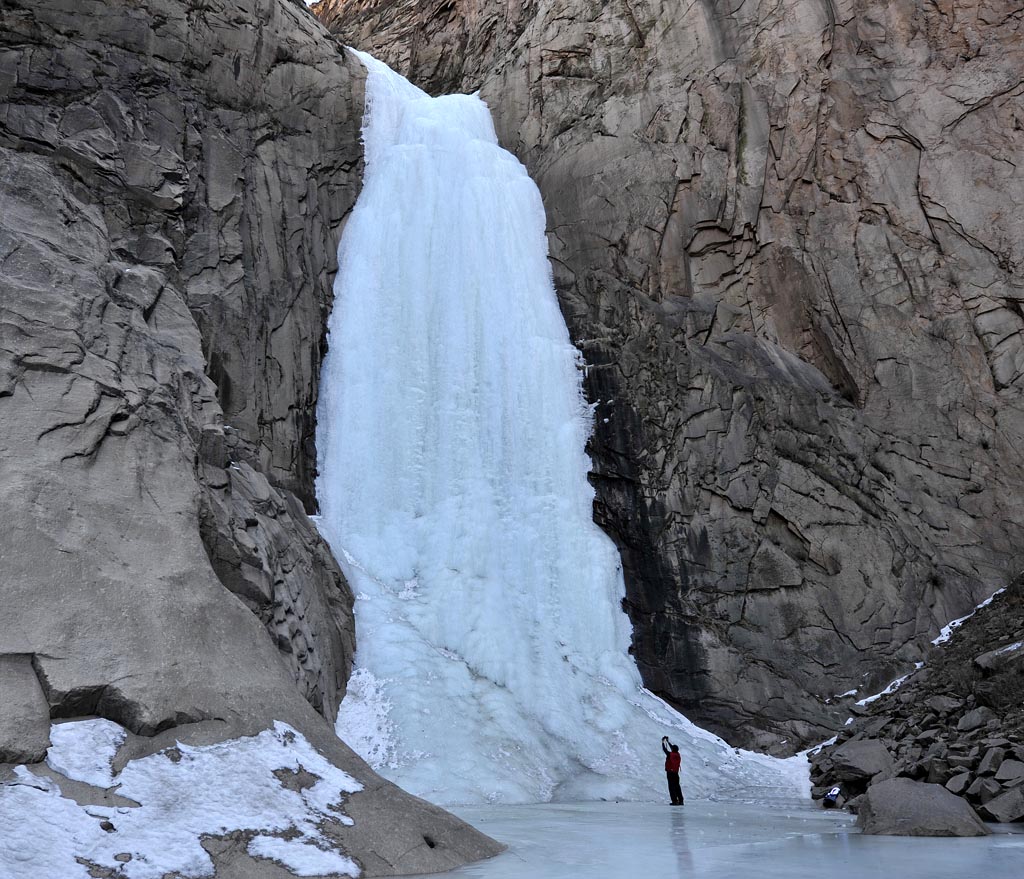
718, 840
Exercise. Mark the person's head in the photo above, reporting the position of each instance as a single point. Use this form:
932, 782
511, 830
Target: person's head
675, 749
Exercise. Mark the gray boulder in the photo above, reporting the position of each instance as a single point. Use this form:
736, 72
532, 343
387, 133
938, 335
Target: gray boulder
975, 719
1003, 656
901, 807
1010, 770
958, 784
861, 760
1006, 807
944, 704
991, 761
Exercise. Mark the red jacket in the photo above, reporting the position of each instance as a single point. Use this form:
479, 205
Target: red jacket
672, 761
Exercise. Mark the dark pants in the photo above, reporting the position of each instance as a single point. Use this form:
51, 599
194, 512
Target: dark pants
674, 791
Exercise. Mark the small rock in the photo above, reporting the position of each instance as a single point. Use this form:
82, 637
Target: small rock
991, 761
984, 789
900, 807
975, 718
1009, 770
1006, 807
959, 783
943, 704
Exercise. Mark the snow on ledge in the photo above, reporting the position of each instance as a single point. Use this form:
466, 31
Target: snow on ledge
184, 793
947, 630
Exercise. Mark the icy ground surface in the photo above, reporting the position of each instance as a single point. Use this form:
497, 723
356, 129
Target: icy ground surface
717, 840
175, 798
492, 659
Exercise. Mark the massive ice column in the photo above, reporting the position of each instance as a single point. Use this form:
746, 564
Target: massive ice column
492, 648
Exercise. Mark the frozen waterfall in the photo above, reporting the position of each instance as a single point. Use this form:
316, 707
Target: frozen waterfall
492, 649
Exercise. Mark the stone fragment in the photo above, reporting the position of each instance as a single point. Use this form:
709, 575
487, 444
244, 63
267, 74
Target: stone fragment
991, 761
900, 807
1010, 770
944, 704
984, 789
975, 718
958, 784
1006, 807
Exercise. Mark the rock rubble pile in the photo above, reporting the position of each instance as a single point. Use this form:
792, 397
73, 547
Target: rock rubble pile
957, 722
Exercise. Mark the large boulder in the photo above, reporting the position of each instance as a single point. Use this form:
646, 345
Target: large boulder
901, 807
1008, 806
859, 761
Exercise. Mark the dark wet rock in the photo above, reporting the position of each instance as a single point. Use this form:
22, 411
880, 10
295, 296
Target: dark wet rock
900, 807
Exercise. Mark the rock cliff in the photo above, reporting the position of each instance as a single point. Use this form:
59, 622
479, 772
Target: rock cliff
786, 238
173, 177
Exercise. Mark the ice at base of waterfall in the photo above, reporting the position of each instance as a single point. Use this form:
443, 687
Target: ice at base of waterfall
722, 840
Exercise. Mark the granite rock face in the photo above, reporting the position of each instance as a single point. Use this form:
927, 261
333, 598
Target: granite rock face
173, 176
786, 239
151, 187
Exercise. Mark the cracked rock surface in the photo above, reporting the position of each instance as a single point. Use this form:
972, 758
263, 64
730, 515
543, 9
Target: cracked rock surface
786, 237
173, 177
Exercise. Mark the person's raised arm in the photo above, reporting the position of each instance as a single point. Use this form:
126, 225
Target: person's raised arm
664, 744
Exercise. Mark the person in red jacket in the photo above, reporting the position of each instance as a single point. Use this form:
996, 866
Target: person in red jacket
672, 760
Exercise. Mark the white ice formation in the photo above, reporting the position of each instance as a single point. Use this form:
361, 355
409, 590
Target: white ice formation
179, 798
492, 648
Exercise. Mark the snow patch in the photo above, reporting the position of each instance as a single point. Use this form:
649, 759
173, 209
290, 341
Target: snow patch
950, 627
892, 687
184, 793
83, 750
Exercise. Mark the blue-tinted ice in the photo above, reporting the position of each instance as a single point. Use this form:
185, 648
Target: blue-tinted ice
720, 840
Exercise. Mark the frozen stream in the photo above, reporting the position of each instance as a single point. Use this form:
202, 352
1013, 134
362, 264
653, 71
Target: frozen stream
492, 660
718, 840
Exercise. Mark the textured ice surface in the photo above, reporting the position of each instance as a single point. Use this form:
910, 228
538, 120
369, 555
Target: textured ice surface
704, 840
452, 429
196, 791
